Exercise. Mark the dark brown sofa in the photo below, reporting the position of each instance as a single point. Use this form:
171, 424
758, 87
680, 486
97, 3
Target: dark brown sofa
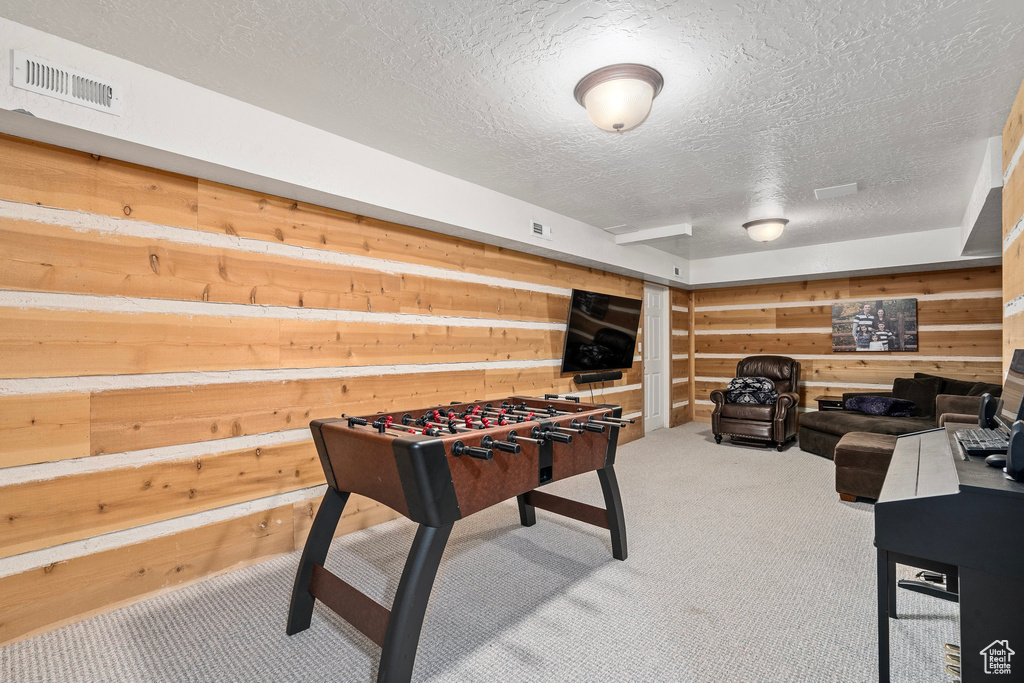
821, 430
770, 424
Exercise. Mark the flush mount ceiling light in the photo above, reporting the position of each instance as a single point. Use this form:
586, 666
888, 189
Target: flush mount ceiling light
766, 229
618, 97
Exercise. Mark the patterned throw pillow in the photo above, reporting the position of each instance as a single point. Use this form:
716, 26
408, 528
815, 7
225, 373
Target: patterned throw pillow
759, 390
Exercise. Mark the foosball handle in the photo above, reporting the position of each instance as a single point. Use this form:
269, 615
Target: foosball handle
551, 435
504, 446
590, 427
353, 421
459, 448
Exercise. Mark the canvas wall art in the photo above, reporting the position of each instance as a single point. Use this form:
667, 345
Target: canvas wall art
874, 325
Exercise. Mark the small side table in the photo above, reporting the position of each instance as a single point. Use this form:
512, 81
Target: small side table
829, 402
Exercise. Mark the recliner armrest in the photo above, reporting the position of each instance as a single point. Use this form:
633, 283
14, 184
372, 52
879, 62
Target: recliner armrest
786, 401
718, 397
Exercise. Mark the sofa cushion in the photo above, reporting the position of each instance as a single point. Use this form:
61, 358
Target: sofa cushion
748, 411
840, 422
865, 451
962, 387
881, 405
922, 391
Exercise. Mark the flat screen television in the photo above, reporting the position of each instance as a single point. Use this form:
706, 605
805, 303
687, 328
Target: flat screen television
600, 333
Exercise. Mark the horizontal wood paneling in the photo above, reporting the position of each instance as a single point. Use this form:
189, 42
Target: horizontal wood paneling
1013, 331
1013, 130
40, 514
942, 312
63, 591
47, 343
868, 371
1013, 207
931, 343
51, 258
234, 211
1013, 201
680, 392
35, 173
681, 367
51, 333
323, 344
132, 419
874, 286
719, 331
43, 428
359, 513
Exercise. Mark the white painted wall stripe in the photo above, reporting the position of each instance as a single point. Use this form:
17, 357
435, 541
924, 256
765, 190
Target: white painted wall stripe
680, 404
82, 221
680, 356
680, 380
133, 305
867, 355
680, 333
974, 327
1012, 236
1013, 306
113, 461
849, 385
117, 539
944, 296
1014, 160
50, 385
681, 309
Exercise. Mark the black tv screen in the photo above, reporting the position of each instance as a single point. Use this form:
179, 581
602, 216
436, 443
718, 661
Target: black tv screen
600, 333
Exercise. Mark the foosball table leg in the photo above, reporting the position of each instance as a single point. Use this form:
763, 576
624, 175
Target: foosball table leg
398, 653
613, 504
317, 544
527, 513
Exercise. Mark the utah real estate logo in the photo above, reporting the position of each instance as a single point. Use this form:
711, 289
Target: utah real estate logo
997, 657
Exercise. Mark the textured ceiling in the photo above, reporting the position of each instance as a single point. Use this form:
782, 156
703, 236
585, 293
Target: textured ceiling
764, 100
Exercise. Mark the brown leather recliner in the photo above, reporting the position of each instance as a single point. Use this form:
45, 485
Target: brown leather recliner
774, 424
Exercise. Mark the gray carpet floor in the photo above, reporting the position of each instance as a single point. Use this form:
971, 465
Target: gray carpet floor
743, 566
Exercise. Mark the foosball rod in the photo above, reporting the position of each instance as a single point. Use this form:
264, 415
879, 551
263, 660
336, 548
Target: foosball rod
591, 420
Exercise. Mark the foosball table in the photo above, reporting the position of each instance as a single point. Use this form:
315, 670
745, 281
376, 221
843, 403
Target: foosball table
440, 465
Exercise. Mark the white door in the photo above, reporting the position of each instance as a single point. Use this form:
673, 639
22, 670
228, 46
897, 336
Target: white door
655, 355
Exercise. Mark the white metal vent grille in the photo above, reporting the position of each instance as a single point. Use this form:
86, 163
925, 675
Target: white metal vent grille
540, 230
46, 78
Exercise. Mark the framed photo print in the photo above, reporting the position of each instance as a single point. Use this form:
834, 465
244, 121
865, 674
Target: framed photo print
874, 325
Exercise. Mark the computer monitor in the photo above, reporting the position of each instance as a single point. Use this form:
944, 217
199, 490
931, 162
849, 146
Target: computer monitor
1012, 408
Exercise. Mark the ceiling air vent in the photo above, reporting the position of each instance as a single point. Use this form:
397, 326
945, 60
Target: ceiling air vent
540, 230
53, 80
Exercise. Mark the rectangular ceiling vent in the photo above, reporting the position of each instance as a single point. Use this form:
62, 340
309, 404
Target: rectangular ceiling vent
540, 230
677, 271
54, 80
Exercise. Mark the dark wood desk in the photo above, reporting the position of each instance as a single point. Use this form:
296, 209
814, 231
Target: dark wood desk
961, 517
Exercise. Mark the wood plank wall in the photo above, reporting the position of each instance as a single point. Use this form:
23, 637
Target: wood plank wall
1013, 226
165, 340
682, 353
959, 314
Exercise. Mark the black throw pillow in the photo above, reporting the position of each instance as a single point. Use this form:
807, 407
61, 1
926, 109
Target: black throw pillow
922, 391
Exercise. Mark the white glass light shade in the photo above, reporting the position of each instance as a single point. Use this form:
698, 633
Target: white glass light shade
619, 105
765, 230
618, 97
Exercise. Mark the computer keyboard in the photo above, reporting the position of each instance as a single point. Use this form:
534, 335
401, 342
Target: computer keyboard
983, 441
